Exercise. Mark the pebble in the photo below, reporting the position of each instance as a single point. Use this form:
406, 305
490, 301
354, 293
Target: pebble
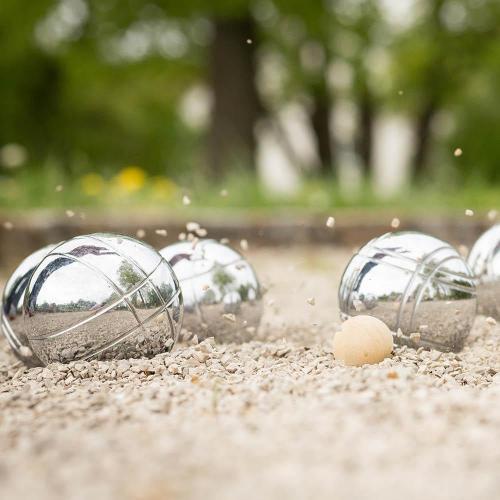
232, 368
415, 337
290, 412
330, 222
492, 215
491, 321
25, 351
395, 223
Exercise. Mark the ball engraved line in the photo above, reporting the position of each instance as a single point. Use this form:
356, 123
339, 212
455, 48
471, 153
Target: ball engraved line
124, 336
123, 298
102, 311
147, 280
9, 333
109, 307
420, 271
438, 280
396, 255
145, 275
423, 286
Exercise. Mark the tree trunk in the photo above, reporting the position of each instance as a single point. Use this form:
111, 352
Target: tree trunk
423, 133
364, 141
320, 120
435, 78
236, 101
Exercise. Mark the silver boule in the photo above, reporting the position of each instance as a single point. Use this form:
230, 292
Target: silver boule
102, 296
12, 307
222, 294
415, 283
484, 260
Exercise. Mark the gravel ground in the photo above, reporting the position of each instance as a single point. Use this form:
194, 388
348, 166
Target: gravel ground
274, 418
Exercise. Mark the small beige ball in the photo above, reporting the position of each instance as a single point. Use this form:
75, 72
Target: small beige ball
362, 340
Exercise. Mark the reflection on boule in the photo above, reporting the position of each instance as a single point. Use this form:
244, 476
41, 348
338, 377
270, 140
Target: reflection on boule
484, 260
102, 296
417, 284
12, 304
222, 295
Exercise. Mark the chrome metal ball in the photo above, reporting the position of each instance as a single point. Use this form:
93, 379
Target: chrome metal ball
102, 296
417, 284
484, 260
12, 307
222, 294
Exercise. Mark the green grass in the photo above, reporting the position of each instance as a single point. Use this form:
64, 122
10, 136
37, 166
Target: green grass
37, 189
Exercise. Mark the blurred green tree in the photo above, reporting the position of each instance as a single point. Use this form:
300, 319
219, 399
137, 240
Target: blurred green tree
99, 84
438, 62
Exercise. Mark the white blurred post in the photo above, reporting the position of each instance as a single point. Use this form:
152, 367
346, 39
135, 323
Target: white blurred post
393, 146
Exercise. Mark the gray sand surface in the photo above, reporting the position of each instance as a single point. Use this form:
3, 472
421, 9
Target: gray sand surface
273, 418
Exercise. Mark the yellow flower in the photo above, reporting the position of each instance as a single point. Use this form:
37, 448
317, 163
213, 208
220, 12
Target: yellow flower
92, 184
163, 187
131, 179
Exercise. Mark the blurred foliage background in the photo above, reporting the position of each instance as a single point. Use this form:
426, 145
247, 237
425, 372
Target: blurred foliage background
249, 103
